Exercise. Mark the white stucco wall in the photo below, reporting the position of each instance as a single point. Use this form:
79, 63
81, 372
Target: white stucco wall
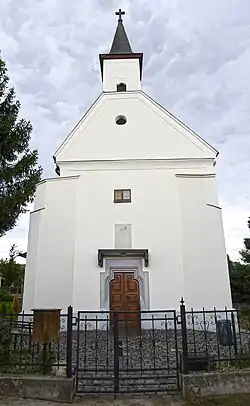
50, 261
173, 212
150, 133
116, 71
168, 215
206, 279
152, 229
180, 265
32, 261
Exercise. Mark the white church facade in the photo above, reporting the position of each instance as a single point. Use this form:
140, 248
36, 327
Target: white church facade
133, 221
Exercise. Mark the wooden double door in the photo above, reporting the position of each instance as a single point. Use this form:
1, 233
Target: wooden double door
125, 299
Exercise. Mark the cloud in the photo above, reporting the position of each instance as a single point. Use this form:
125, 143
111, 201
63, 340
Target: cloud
196, 64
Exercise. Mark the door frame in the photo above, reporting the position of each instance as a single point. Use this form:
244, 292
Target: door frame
124, 265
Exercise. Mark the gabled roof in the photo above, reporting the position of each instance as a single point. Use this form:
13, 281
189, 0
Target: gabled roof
179, 122
102, 98
66, 140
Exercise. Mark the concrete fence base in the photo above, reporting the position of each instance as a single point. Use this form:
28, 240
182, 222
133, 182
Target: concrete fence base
56, 389
61, 389
215, 383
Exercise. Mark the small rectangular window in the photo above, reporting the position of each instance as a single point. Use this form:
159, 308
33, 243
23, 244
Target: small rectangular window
122, 195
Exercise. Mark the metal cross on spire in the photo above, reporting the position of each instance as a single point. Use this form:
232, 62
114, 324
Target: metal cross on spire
120, 13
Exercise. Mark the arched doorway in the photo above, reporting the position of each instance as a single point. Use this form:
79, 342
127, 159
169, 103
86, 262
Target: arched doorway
125, 299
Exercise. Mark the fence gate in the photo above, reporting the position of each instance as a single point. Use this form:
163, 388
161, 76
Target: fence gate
115, 353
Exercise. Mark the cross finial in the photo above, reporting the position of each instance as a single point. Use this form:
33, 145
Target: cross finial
120, 13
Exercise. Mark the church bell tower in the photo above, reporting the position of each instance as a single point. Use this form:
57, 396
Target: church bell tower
121, 68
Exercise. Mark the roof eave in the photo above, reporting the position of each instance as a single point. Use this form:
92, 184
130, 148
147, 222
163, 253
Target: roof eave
182, 124
132, 55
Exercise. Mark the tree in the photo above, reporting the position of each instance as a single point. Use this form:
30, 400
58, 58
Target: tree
19, 171
12, 272
240, 283
240, 275
245, 253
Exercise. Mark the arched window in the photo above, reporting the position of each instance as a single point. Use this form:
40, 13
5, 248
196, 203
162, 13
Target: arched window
120, 120
121, 87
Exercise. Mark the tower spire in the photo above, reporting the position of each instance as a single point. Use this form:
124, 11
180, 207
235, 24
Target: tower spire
121, 65
120, 43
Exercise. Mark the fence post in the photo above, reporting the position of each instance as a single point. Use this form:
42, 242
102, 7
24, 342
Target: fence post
184, 337
234, 333
69, 342
116, 352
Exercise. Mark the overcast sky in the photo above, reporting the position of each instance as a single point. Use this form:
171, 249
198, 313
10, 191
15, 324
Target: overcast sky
196, 64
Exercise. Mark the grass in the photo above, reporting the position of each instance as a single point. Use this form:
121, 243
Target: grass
233, 400
7, 306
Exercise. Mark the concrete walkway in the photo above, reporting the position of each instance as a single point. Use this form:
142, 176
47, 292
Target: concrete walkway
97, 401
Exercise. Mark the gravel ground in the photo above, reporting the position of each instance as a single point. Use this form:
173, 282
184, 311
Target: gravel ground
146, 361
153, 354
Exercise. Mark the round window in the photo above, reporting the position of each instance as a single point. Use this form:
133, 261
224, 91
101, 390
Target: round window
120, 120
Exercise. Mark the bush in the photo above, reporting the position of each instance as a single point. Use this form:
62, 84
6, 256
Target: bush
5, 296
44, 364
244, 319
5, 341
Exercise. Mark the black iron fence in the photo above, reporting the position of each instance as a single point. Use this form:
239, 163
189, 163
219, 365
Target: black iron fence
129, 352
215, 340
20, 354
